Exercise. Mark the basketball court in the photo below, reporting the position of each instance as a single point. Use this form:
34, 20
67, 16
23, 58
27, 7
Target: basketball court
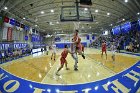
32, 30
42, 69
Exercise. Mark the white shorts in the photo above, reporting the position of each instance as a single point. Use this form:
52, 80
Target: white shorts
113, 52
74, 56
54, 51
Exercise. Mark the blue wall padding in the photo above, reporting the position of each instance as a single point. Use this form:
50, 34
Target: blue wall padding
61, 45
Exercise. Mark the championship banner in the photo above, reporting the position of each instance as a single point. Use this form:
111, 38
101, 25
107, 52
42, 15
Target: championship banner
9, 34
127, 81
88, 37
26, 28
22, 26
17, 24
139, 25
1, 20
12, 21
4, 36
26, 38
14, 34
6, 19
93, 37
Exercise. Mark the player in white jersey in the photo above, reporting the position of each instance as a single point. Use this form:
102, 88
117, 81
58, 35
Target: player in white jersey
47, 50
74, 55
53, 51
113, 50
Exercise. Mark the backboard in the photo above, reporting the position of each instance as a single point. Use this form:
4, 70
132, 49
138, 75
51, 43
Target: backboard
71, 13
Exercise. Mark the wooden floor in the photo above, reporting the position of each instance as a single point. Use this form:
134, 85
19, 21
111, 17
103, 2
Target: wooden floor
40, 68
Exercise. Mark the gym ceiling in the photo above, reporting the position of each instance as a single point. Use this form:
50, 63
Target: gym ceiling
45, 14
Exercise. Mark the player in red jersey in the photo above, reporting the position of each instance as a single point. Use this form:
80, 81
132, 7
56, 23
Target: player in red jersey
104, 49
74, 55
63, 59
77, 41
83, 48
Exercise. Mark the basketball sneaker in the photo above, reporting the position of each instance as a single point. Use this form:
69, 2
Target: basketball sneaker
75, 69
83, 56
67, 69
57, 74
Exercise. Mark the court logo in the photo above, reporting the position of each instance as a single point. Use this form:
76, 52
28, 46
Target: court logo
127, 81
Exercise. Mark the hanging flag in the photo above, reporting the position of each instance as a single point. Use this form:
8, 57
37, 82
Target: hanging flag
93, 37
26, 38
6, 19
33, 30
4, 36
27, 28
12, 21
22, 26
9, 34
17, 24
1, 20
88, 37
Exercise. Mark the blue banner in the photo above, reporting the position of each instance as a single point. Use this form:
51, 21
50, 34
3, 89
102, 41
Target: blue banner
5, 46
26, 28
88, 37
20, 45
26, 38
116, 30
126, 27
12, 21
17, 24
139, 25
93, 37
36, 38
57, 39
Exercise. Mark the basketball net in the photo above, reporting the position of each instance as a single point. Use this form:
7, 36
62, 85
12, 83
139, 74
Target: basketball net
76, 25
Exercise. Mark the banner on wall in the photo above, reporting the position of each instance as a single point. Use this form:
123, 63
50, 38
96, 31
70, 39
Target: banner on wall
4, 46
17, 24
22, 26
88, 37
26, 38
30, 30
15, 34
6, 19
9, 34
93, 37
4, 33
57, 39
139, 25
1, 20
12, 21
27, 28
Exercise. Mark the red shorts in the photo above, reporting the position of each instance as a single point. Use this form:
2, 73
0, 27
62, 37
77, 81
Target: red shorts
83, 49
79, 47
103, 50
63, 60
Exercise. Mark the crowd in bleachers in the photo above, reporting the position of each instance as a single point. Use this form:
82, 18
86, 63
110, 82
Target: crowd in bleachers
11, 54
128, 41
98, 42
